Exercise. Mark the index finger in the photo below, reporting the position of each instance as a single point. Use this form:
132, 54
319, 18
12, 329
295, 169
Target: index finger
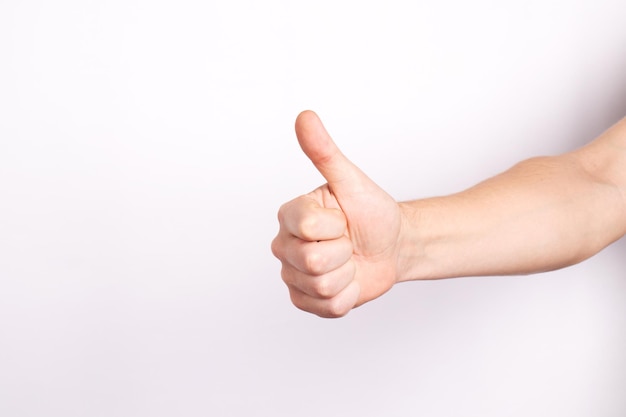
306, 219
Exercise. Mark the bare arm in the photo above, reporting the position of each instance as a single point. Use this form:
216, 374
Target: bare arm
543, 214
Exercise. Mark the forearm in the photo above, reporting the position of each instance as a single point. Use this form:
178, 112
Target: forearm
543, 214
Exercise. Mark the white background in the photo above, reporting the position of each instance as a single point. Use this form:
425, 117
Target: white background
145, 147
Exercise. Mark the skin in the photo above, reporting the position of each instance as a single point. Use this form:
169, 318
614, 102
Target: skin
348, 241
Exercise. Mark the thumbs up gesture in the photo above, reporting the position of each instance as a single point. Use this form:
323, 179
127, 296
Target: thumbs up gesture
338, 244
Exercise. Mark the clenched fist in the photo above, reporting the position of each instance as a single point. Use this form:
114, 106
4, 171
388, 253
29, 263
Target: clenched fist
338, 244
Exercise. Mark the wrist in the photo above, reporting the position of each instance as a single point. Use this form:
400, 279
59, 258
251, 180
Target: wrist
433, 239
413, 262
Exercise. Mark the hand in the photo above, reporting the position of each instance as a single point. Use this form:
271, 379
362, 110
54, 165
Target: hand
338, 244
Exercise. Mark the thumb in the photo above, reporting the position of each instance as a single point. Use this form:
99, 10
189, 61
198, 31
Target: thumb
317, 144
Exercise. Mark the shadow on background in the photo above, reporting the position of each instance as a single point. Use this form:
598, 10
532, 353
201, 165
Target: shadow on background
602, 99
603, 103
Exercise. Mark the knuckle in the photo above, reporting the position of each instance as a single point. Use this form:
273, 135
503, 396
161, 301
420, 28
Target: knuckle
308, 226
335, 309
297, 300
324, 288
281, 213
314, 263
286, 276
276, 247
